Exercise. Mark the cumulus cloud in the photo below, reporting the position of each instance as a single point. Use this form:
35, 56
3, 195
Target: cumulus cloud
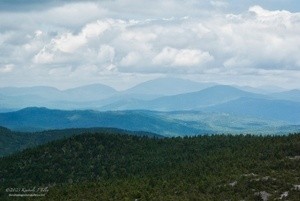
262, 39
90, 40
131, 59
68, 42
6, 68
219, 3
182, 57
106, 54
43, 57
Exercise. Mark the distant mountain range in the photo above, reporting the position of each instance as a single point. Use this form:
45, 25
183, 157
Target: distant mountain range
188, 101
168, 106
163, 94
12, 97
92, 96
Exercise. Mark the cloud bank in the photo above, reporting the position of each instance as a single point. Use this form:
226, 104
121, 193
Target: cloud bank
74, 43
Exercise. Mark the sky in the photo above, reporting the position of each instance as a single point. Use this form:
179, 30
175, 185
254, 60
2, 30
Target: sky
120, 43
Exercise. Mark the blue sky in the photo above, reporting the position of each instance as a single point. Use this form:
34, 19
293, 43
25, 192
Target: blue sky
121, 43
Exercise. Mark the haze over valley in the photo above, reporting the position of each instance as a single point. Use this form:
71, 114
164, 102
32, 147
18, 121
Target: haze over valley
167, 106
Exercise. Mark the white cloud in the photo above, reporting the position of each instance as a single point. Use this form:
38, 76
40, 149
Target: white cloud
71, 14
138, 36
43, 57
106, 53
96, 29
68, 42
38, 33
7, 68
131, 59
204, 38
219, 3
182, 57
236, 62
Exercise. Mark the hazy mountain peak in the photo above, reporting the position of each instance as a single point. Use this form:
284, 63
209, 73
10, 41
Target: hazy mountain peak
223, 87
167, 86
217, 91
93, 87
28, 90
293, 95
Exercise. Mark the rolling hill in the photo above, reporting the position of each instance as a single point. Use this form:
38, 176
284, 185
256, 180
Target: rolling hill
11, 141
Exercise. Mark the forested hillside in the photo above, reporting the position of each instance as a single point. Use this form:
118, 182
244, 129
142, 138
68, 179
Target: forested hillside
11, 141
107, 166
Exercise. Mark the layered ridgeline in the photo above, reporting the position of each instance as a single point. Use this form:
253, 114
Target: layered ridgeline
164, 94
93, 96
106, 166
201, 108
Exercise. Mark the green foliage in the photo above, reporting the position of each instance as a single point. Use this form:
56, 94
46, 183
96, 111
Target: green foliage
11, 141
106, 166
